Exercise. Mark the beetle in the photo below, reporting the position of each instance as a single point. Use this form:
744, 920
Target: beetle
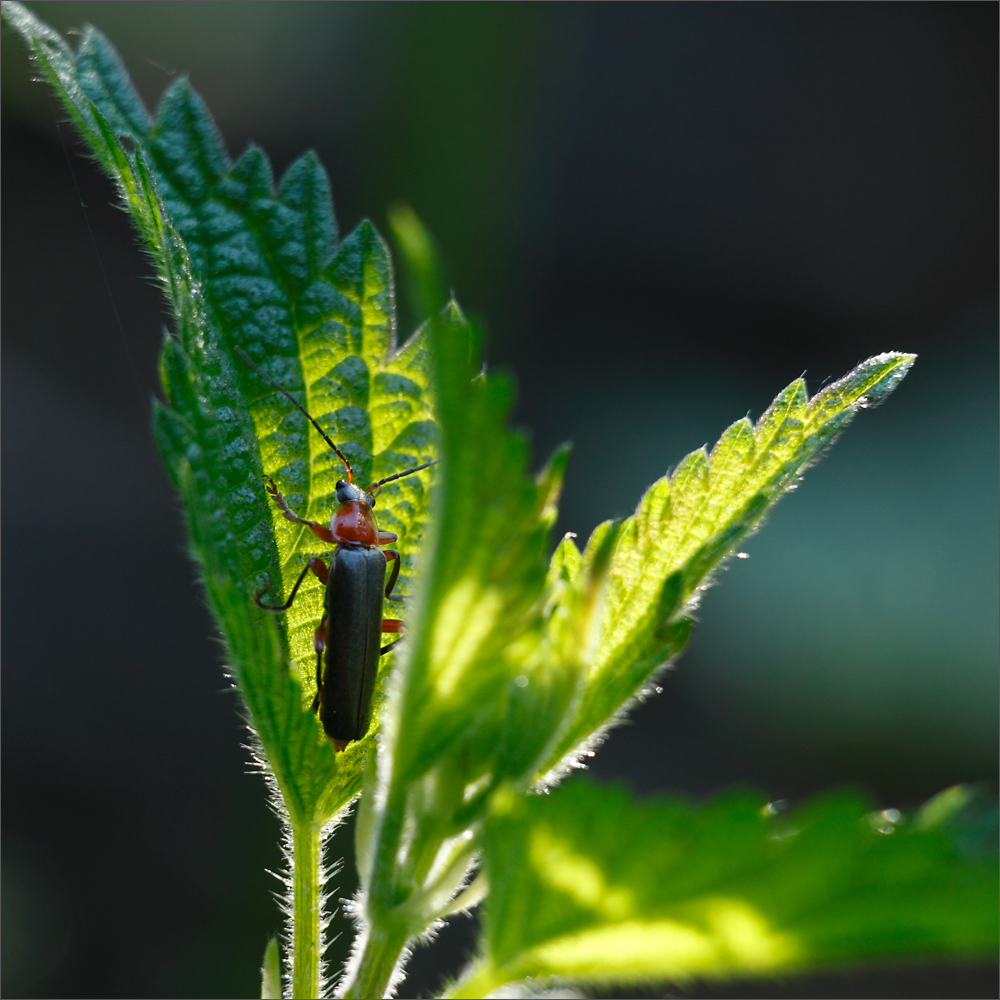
350, 631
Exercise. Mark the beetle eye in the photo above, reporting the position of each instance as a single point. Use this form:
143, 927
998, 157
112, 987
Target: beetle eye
341, 483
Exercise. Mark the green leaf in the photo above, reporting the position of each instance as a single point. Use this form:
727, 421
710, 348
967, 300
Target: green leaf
424, 278
511, 669
245, 265
270, 972
476, 613
588, 884
484, 565
684, 527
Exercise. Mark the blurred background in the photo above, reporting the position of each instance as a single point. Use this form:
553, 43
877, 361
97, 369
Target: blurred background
662, 214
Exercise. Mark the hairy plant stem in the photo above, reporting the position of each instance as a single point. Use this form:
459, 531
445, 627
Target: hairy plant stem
307, 899
386, 929
384, 949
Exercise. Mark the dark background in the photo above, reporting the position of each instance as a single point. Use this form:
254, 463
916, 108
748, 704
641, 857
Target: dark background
663, 213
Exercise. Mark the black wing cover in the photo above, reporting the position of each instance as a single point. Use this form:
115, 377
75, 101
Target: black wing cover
354, 595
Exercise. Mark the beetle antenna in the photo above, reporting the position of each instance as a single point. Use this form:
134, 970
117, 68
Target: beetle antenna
302, 409
399, 475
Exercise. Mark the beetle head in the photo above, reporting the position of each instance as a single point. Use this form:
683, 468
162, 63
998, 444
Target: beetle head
348, 491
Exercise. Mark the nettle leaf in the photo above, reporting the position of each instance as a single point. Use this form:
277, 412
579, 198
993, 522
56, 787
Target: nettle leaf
476, 615
251, 267
484, 561
588, 884
510, 668
485, 565
270, 972
651, 568
316, 316
482, 579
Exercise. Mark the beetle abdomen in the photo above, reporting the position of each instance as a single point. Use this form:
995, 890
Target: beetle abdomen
354, 594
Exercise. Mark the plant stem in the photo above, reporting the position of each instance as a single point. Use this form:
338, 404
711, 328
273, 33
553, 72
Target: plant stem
385, 933
383, 951
307, 895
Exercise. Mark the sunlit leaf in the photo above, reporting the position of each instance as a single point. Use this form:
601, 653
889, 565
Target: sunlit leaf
684, 527
250, 265
270, 972
590, 885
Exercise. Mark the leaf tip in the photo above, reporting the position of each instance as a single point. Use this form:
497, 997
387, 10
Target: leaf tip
270, 972
422, 259
895, 366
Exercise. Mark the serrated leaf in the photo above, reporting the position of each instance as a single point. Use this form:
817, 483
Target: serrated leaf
589, 884
105, 81
477, 612
248, 266
484, 564
425, 281
685, 526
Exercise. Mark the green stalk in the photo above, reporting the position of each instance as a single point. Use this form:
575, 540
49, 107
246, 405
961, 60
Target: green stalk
307, 898
386, 929
384, 950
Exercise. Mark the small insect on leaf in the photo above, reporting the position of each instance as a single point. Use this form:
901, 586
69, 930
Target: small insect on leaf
348, 638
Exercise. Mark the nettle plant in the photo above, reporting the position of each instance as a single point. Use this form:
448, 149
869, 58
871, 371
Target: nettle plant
516, 660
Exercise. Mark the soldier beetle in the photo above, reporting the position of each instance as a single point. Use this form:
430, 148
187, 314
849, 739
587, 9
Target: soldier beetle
350, 630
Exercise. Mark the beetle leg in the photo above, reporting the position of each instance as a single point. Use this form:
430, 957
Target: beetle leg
393, 555
391, 625
319, 530
316, 565
387, 537
319, 644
